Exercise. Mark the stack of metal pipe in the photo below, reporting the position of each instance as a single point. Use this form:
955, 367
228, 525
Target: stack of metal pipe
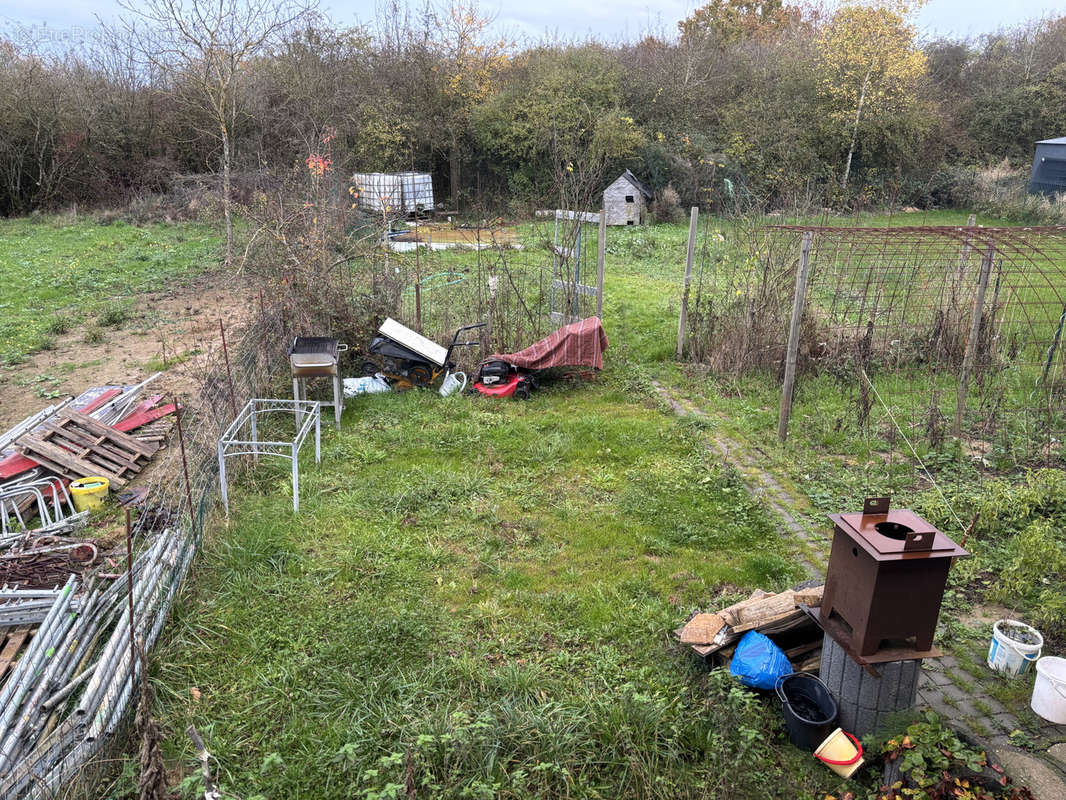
68, 692
28, 606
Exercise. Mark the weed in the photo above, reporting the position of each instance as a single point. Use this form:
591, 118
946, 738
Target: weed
113, 317
1021, 739
157, 364
960, 681
58, 325
94, 334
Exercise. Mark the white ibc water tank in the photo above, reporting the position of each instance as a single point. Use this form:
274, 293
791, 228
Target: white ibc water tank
394, 193
417, 191
379, 191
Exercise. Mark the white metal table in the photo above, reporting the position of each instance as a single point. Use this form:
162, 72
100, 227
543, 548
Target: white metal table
234, 443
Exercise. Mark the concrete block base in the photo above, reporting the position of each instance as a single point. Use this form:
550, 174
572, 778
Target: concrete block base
866, 702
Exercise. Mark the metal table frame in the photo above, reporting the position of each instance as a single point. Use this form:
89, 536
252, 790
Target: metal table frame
309, 412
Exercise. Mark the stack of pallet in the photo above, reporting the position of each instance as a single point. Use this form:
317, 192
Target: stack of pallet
713, 636
74, 445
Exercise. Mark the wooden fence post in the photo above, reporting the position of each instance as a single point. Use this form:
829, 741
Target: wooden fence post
690, 257
792, 351
601, 258
971, 341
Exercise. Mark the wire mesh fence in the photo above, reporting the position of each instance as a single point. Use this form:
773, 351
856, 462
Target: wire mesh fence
929, 334
523, 279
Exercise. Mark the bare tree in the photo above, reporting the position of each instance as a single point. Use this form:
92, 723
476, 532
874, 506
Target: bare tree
207, 45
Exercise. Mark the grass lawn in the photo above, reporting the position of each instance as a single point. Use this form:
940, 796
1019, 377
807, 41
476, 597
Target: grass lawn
57, 272
475, 601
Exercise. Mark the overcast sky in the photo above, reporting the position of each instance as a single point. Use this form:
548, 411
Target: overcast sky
606, 19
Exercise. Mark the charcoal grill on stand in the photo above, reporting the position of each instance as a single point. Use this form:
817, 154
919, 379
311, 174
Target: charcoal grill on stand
886, 578
316, 357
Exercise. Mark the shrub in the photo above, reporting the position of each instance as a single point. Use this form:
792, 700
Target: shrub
666, 207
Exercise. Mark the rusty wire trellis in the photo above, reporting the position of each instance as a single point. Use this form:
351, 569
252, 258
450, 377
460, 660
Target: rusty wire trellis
959, 331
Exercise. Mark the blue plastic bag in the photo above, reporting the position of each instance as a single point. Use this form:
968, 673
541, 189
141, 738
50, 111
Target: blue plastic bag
758, 662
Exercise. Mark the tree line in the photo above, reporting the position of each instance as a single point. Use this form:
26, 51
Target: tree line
756, 102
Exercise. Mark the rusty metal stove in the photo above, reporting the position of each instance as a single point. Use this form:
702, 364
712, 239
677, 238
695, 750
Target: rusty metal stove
886, 578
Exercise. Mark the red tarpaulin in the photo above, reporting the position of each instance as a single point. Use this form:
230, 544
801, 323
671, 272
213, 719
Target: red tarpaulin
579, 344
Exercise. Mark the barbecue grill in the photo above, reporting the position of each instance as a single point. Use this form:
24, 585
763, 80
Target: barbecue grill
886, 577
316, 357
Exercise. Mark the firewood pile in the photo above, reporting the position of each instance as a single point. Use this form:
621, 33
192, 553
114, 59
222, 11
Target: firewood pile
713, 636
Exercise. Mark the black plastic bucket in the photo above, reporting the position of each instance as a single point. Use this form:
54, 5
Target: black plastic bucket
809, 709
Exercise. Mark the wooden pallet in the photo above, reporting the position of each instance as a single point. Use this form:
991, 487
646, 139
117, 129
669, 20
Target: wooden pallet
12, 639
76, 446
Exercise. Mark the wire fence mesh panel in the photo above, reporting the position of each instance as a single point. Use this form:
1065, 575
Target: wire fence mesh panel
436, 277
922, 334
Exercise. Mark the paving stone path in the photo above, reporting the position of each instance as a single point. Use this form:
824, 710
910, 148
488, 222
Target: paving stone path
991, 709
814, 545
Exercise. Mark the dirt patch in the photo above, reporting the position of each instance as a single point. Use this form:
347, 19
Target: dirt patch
985, 614
439, 232
180, 326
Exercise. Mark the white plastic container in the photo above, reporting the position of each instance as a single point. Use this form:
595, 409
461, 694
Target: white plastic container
1010, 656
366, 385
452, 384
1049, 691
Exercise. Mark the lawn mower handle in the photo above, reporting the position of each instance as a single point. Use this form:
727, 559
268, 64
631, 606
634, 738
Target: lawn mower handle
455, 343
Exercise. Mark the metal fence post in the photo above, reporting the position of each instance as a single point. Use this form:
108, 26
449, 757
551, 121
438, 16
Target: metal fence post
295, 479
222, 476
229, 374
971, 341
689, 259
601, 258
184, 464
792, 352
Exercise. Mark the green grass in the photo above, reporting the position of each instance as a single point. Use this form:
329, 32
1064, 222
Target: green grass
476, 597
61, 273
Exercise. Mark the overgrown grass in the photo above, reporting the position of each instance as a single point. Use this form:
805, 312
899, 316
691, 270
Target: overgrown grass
58, 273
475, 602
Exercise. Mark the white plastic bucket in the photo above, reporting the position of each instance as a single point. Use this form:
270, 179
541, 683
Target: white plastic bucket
1011, 656
1049, 691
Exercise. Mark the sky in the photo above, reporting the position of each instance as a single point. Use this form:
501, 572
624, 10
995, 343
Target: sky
521, 19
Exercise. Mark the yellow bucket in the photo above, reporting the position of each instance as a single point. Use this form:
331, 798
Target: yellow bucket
87, 493
841, 752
